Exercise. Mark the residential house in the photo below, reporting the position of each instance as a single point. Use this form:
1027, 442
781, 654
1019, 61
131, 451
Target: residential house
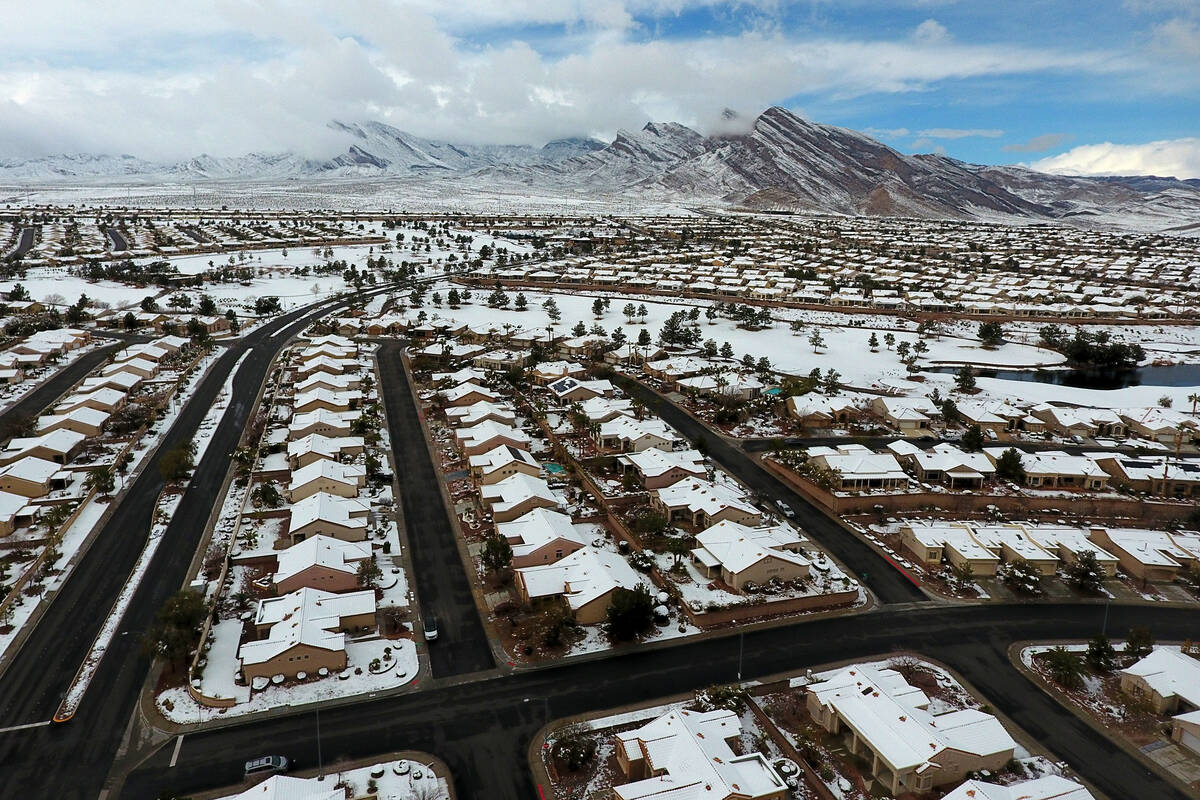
331, 477
320, 562
1047, 787
143, 368
603, 409
548, 372
687, 754
1167, 679
316, 447
1149, 555
1162, 475
585, 580
501, 462
515, 496
655, 468
466, 394
334, 425
324, 514
329, 382
489, 435
305, 631
814, 410
700, 504
573, 390
629, 435
739, 554
483, 411
88, 421
854, 468
323, 399
931, 542
58, 446
28, 477
108, 400
1057, 469
888, 723
541, 536
909, 415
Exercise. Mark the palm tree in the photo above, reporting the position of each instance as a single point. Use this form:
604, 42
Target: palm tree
1194, 399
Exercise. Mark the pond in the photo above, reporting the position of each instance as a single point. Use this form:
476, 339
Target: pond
1095, 378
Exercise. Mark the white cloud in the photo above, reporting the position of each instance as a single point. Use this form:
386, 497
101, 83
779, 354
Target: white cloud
931, 32
887, 133
960, 133
227, 77
1179, 158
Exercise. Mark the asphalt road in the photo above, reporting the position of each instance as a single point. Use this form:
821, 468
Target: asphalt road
24, 243
482, 729
34, 403
33, 685
441, 584
118, 241
885, 580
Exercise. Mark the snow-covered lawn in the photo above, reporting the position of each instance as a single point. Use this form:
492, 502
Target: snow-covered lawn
357, 679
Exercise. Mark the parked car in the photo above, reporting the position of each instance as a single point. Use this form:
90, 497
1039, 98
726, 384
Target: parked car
785, 508
431, 627
266, 765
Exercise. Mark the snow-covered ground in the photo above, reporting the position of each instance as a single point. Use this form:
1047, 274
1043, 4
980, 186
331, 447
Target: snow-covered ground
392, 780
12, 393
357, 679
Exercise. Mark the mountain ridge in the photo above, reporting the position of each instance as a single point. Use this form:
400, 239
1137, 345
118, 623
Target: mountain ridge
779, 162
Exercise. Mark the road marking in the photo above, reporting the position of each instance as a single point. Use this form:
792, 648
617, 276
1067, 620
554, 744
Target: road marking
903, 571
24, 727
175, 754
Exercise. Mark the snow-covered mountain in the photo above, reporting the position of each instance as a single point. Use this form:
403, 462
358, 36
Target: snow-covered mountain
778, 162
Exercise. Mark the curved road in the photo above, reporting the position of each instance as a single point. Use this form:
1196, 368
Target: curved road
483, 728
34, 682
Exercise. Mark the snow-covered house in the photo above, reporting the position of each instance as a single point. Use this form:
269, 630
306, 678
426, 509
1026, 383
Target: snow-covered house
739, 554
656, 468
584, 580
700, 504
305, 631
324, 514
330, 477
320, 562
1047, 787
541, 536
516, 495
887, 722
501, 462
687, 754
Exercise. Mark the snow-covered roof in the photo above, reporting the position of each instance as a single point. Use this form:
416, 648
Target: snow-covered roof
350, 474
1170, 673
323, 551
305, 616
344, 511
462, 390
514, 490
1047, 787
327, 446
689, 757
890, 715
654, 461
499, 457
59, 440
695, 495
487, 430
583, 576
736, 546
536, 528
30, 468
285, 787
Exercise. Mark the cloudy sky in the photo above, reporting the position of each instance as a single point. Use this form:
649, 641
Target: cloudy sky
1089, 86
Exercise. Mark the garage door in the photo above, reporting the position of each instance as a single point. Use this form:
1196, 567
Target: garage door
1191, 741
